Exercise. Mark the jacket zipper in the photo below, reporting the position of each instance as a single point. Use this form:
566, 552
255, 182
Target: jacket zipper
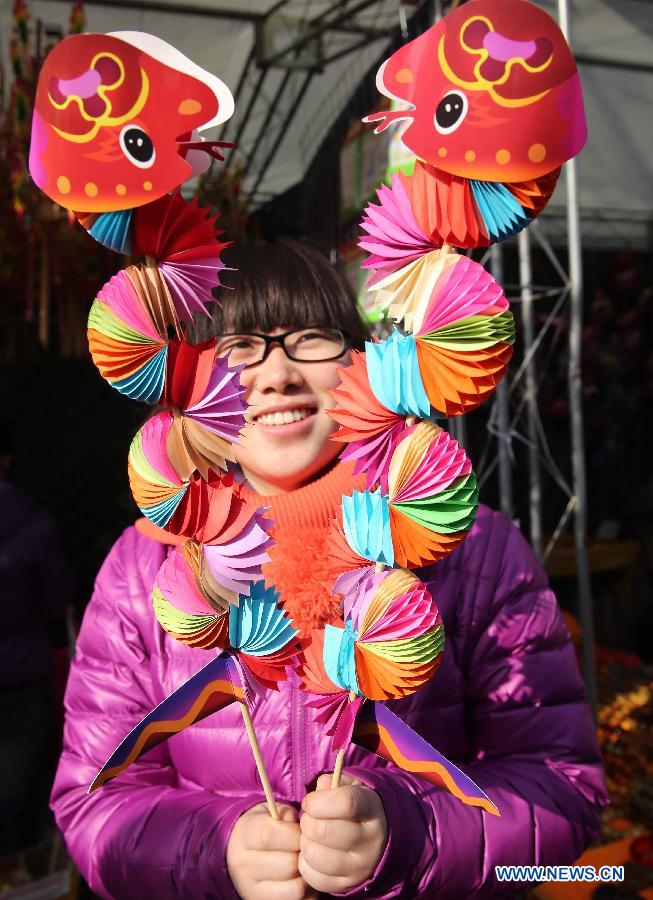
298, 742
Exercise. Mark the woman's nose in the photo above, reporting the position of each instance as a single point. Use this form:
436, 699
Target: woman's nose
276, 373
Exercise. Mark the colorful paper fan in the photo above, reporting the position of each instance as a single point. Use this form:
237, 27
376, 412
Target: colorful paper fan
183, 611
433, 496
464, 335
156, 487
346, 567
235, 562
394, 375
393, 237
388, 646
370, 430
462, 326
111, 229
209, 411
182, 238
127, 347
432, 502
255, 628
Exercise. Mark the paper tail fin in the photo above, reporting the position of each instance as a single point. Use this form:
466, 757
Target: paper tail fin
212, 688
383, 733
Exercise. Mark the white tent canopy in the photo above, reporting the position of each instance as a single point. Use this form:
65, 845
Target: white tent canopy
615, 168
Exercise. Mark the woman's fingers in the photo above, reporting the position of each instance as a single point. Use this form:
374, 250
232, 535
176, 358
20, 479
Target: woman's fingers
326, 860
273, 865
328, 884
334, 833
297, 889
265, 833
351, 802
324, 781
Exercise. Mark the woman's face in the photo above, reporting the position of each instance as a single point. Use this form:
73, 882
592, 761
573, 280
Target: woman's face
278, 456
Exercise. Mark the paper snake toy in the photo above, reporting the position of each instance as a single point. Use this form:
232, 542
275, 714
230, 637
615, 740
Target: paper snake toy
115, 133
493, 106
458, 333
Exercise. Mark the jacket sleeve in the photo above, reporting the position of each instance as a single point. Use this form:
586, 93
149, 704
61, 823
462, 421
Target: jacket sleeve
532, 748
140, 835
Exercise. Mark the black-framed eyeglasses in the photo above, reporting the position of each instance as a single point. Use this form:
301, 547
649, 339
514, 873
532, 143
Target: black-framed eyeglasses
313, 344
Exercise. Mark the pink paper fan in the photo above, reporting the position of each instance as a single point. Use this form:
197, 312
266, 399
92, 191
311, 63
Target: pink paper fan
444, 462
154, 442
236, 563
372, 457
462, 290
408, 616
356, 602
222, 408
394, 237
119, 295
177, 584
338, 715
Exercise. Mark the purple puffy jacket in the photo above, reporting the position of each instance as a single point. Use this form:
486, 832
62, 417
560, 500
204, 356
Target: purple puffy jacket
507, 705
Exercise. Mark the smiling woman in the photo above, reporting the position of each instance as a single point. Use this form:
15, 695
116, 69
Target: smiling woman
290, 318
507, 705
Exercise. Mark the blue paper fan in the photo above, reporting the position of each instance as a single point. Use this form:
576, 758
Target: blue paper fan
395, 377
147, 383
502, 214
339, 657
257, 626
114, 230
366, 523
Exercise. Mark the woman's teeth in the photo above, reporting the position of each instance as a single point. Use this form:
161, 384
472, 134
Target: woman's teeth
283, 418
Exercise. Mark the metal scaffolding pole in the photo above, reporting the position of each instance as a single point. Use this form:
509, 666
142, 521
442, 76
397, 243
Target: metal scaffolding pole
530, 387
576, 407
501, 399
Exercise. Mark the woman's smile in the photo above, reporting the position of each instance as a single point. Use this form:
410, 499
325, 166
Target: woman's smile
286, 441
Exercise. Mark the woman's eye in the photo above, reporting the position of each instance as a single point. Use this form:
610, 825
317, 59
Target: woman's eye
137, 146
308, 336
450, 112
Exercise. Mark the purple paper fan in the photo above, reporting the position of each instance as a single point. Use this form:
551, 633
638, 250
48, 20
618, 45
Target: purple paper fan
236, 563
222, 408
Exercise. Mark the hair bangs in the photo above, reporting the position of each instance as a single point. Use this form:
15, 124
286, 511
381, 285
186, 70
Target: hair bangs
284, 284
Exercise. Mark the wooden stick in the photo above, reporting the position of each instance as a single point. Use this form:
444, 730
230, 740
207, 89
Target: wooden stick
256, 750
340, 756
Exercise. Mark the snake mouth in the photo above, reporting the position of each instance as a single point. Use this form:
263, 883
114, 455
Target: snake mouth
194, 141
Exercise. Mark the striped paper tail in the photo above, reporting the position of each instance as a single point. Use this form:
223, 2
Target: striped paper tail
383, 733
212, 688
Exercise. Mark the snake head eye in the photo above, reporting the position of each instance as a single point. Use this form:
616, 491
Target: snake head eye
450, 112
137, 146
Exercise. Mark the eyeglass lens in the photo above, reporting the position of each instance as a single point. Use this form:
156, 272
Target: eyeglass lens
305, 345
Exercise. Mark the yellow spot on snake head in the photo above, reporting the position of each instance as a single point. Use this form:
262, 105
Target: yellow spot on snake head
442, 152
189, 107
503, 157
90, 189
536, 152
121, 190
470, 156
404, 76
63, 185
147, 185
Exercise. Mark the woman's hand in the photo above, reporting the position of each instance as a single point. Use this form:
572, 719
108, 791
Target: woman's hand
262, 856
343, 835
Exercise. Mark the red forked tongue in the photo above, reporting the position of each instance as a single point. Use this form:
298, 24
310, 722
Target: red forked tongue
387, 117
213, 148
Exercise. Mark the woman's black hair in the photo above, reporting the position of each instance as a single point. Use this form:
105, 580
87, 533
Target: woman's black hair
281, 284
